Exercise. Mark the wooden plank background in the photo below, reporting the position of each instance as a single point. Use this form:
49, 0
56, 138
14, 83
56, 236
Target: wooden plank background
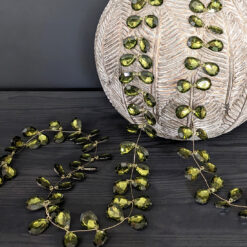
174, 221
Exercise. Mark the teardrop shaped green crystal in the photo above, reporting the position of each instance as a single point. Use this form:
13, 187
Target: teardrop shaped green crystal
63, 219
130, 90
183, 86
120, 187
134, 109
115, 212
133, 128
146, 77
143, 169
17, 142
134, 21
59, 137
33, 144
141, 183
185, 132
202, 156
142, 202
138, 4
123, 168
79, 176
202, 196
144, 45
6, 159
235, 194
197, 6
76, 124
56, 198
126, 77
145, 61
126, 147
214, 6
211, 69
54, 125
35, 203
58, 168
152, 21
182, 111
8, 172
38, 226
67, 185
130, 42
210, 167
192, 63
215, 29
222, 204
121, 201
150, 118
191, 173
200, 112
217, 183
202, 134
195, 42
30, 131
184, 153
149, 99
43, 139
127, 59
100, 238
215, 45
70, 239
137, 222
53, 210
89, 220
150, 131
155, 2
142, 153
43, 182
203, 83
195, 21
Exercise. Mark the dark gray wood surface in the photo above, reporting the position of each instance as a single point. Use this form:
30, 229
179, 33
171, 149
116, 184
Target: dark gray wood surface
174, 221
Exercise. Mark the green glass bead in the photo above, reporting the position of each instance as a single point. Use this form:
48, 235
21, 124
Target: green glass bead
126, 147
59, 137
76, 124
70, 239
191, 173
215, 45
150, 131
200, 112
138, 4
195, 21
121, 201
202, 156
126, 77
155, 2
43, 182
146, 77
17, 142
182, 111
184, 153
54, 125
151, 21
115, 212
183, 86
79, 176
137, 222
195, 43
127, 59
43, 139
143, 170
35, 203
100, 238
150, 118
53, 210
243, 214
6, 159
89, 220
142, 153
8, 172
222, 204
33, 144
214, 6
217, 183
63, 219
197, 6
211, 69
56, 198
38, 226
145, 61
76, 163
235, 194
133, 128
65, 185
120, 187
134, 109
149, 99
130, 42
123, 168
89, 147
203, 84
142, 202
130, 90
133, 21
210, 167
215, 29
202, 134
141, 183
192, 63
202, 196
185, 132
144, 45
58, 168
30, 131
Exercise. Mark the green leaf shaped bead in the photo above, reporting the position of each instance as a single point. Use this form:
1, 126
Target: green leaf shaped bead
182, 111
130, 42
155, 2
150, 131
115, 212
184, 153
211, 69
43, 139
142, 169
197, 6
203, 84
151, 21
214, 6
149, 118
202, 156
141, 183
100, 238
215, 45
70, 239
30, 131
192, 63
134, 109
78, 176
63, 219
8, 172
38, 226
142, 202
89, 147
126, 77
210, 167
146, 77
149, 99
191, 173
215, 29
43, 182
145, 61
35, 203
127, 60
222, 204
54, 125
142, 153
243, 214
6, 159
133, 21
53, 210
121, 187
183, 86
144, 45
195, 42
89, 220
17, 142
185, 132
33, 144
138, 4
217, 183
121, 201
202, 196
76, 124
123, 168
130, 90
59, 137
133, 128
202, 134
56, 198
195, 21
67, 185
200, 112
58, 168
126, 147
235, 194
138, 222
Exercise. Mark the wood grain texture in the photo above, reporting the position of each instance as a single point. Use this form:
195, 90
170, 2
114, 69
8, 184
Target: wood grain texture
174, 221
